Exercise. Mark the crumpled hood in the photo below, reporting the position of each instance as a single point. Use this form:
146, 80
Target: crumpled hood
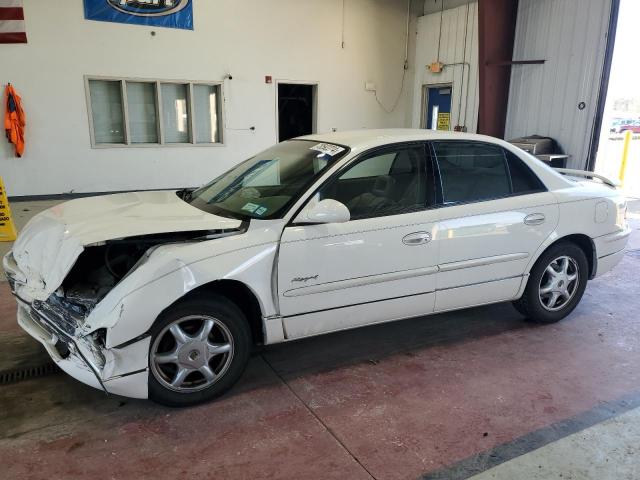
51, 242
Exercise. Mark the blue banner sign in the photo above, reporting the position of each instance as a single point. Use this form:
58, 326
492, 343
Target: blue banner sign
157, 13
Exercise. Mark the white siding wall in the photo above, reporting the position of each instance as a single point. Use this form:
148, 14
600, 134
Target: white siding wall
287, 39
451, 51
543, 99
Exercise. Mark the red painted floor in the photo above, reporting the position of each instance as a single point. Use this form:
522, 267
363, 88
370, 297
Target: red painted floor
392, 401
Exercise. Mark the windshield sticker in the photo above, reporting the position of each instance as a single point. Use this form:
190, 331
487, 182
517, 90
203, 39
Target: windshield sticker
328, 149
250, 207
261, 211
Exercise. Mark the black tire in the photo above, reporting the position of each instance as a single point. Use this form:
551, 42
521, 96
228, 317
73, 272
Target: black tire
519, 307
531, 304
236, 327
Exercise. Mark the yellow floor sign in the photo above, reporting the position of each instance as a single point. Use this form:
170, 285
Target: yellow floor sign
7, 227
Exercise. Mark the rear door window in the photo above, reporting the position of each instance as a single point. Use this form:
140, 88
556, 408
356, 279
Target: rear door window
523, 180
476, 171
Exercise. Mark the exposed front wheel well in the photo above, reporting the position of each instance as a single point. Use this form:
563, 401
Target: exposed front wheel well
586, 245
242, 297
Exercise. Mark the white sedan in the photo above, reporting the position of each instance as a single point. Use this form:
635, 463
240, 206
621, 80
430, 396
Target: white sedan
163, 294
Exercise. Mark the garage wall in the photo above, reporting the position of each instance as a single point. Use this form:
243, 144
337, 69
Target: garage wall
287, 39
543, 99
464, 104
433, 6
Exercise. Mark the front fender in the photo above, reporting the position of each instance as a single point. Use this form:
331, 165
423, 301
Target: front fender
168, 274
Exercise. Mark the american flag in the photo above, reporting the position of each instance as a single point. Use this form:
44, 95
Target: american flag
12, 29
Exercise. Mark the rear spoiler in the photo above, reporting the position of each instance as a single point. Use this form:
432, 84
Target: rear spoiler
583, 173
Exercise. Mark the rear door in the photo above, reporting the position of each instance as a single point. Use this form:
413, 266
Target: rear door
495, 214
380, 265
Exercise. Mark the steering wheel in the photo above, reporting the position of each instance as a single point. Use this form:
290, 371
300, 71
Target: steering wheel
250, 193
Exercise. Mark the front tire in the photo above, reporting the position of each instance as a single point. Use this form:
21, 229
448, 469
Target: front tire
199, 349
556, 284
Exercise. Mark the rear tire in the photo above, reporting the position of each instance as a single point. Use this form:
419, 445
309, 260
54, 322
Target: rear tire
556, 284
199, 349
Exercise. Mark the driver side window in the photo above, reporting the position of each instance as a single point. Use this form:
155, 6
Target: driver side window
390, 182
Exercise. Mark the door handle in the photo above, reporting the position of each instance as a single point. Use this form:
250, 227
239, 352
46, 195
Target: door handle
416, 238
534, 219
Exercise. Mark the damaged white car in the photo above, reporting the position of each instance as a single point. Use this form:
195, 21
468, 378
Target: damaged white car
163, 294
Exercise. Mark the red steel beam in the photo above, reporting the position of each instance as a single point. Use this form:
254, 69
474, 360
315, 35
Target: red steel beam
496, 33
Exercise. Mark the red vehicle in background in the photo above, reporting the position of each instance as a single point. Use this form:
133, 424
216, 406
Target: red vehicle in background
633, 127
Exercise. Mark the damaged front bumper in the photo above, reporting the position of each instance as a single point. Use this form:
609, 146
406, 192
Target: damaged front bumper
76, 356
121, 371
112, 370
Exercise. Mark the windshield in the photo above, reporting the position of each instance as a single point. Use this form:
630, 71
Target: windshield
266, 185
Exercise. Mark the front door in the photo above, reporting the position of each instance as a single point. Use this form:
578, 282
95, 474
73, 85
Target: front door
495, 215
380, 265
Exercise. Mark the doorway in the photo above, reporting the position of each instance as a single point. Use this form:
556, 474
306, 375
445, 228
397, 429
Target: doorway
296, 109
436, 107
617, 148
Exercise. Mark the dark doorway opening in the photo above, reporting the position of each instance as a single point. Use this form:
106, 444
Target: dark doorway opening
296, 110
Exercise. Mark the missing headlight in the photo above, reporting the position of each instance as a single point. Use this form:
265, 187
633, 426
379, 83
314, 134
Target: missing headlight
99, 268
100, 337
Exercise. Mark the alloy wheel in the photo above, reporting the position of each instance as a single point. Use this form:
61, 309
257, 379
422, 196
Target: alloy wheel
191, 353
559, 283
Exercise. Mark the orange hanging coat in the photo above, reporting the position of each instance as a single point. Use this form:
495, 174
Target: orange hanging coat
14, 119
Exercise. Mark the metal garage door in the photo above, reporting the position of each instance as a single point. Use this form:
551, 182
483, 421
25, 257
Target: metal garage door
546, 99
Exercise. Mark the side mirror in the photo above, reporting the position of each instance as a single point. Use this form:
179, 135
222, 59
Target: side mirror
324, 211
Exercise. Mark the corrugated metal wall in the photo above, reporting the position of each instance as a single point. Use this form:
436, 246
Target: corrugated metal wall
543, 99
464, 101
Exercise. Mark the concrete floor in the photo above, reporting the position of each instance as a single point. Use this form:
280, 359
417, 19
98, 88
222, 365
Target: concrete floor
448, 396
606, 451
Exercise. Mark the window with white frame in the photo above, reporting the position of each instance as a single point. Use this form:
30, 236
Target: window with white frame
154, 112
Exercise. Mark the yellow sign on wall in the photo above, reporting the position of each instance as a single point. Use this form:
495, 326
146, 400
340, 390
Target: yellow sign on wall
7, 227
444, 121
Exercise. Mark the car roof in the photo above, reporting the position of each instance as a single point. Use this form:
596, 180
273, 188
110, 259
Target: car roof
366, 138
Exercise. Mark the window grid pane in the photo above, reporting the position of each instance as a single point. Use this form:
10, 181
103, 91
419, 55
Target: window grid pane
175, 113
205, 104
143, 119
107, 112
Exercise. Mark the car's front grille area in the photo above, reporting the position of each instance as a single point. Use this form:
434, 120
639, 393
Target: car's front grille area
63, 327
61, 315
